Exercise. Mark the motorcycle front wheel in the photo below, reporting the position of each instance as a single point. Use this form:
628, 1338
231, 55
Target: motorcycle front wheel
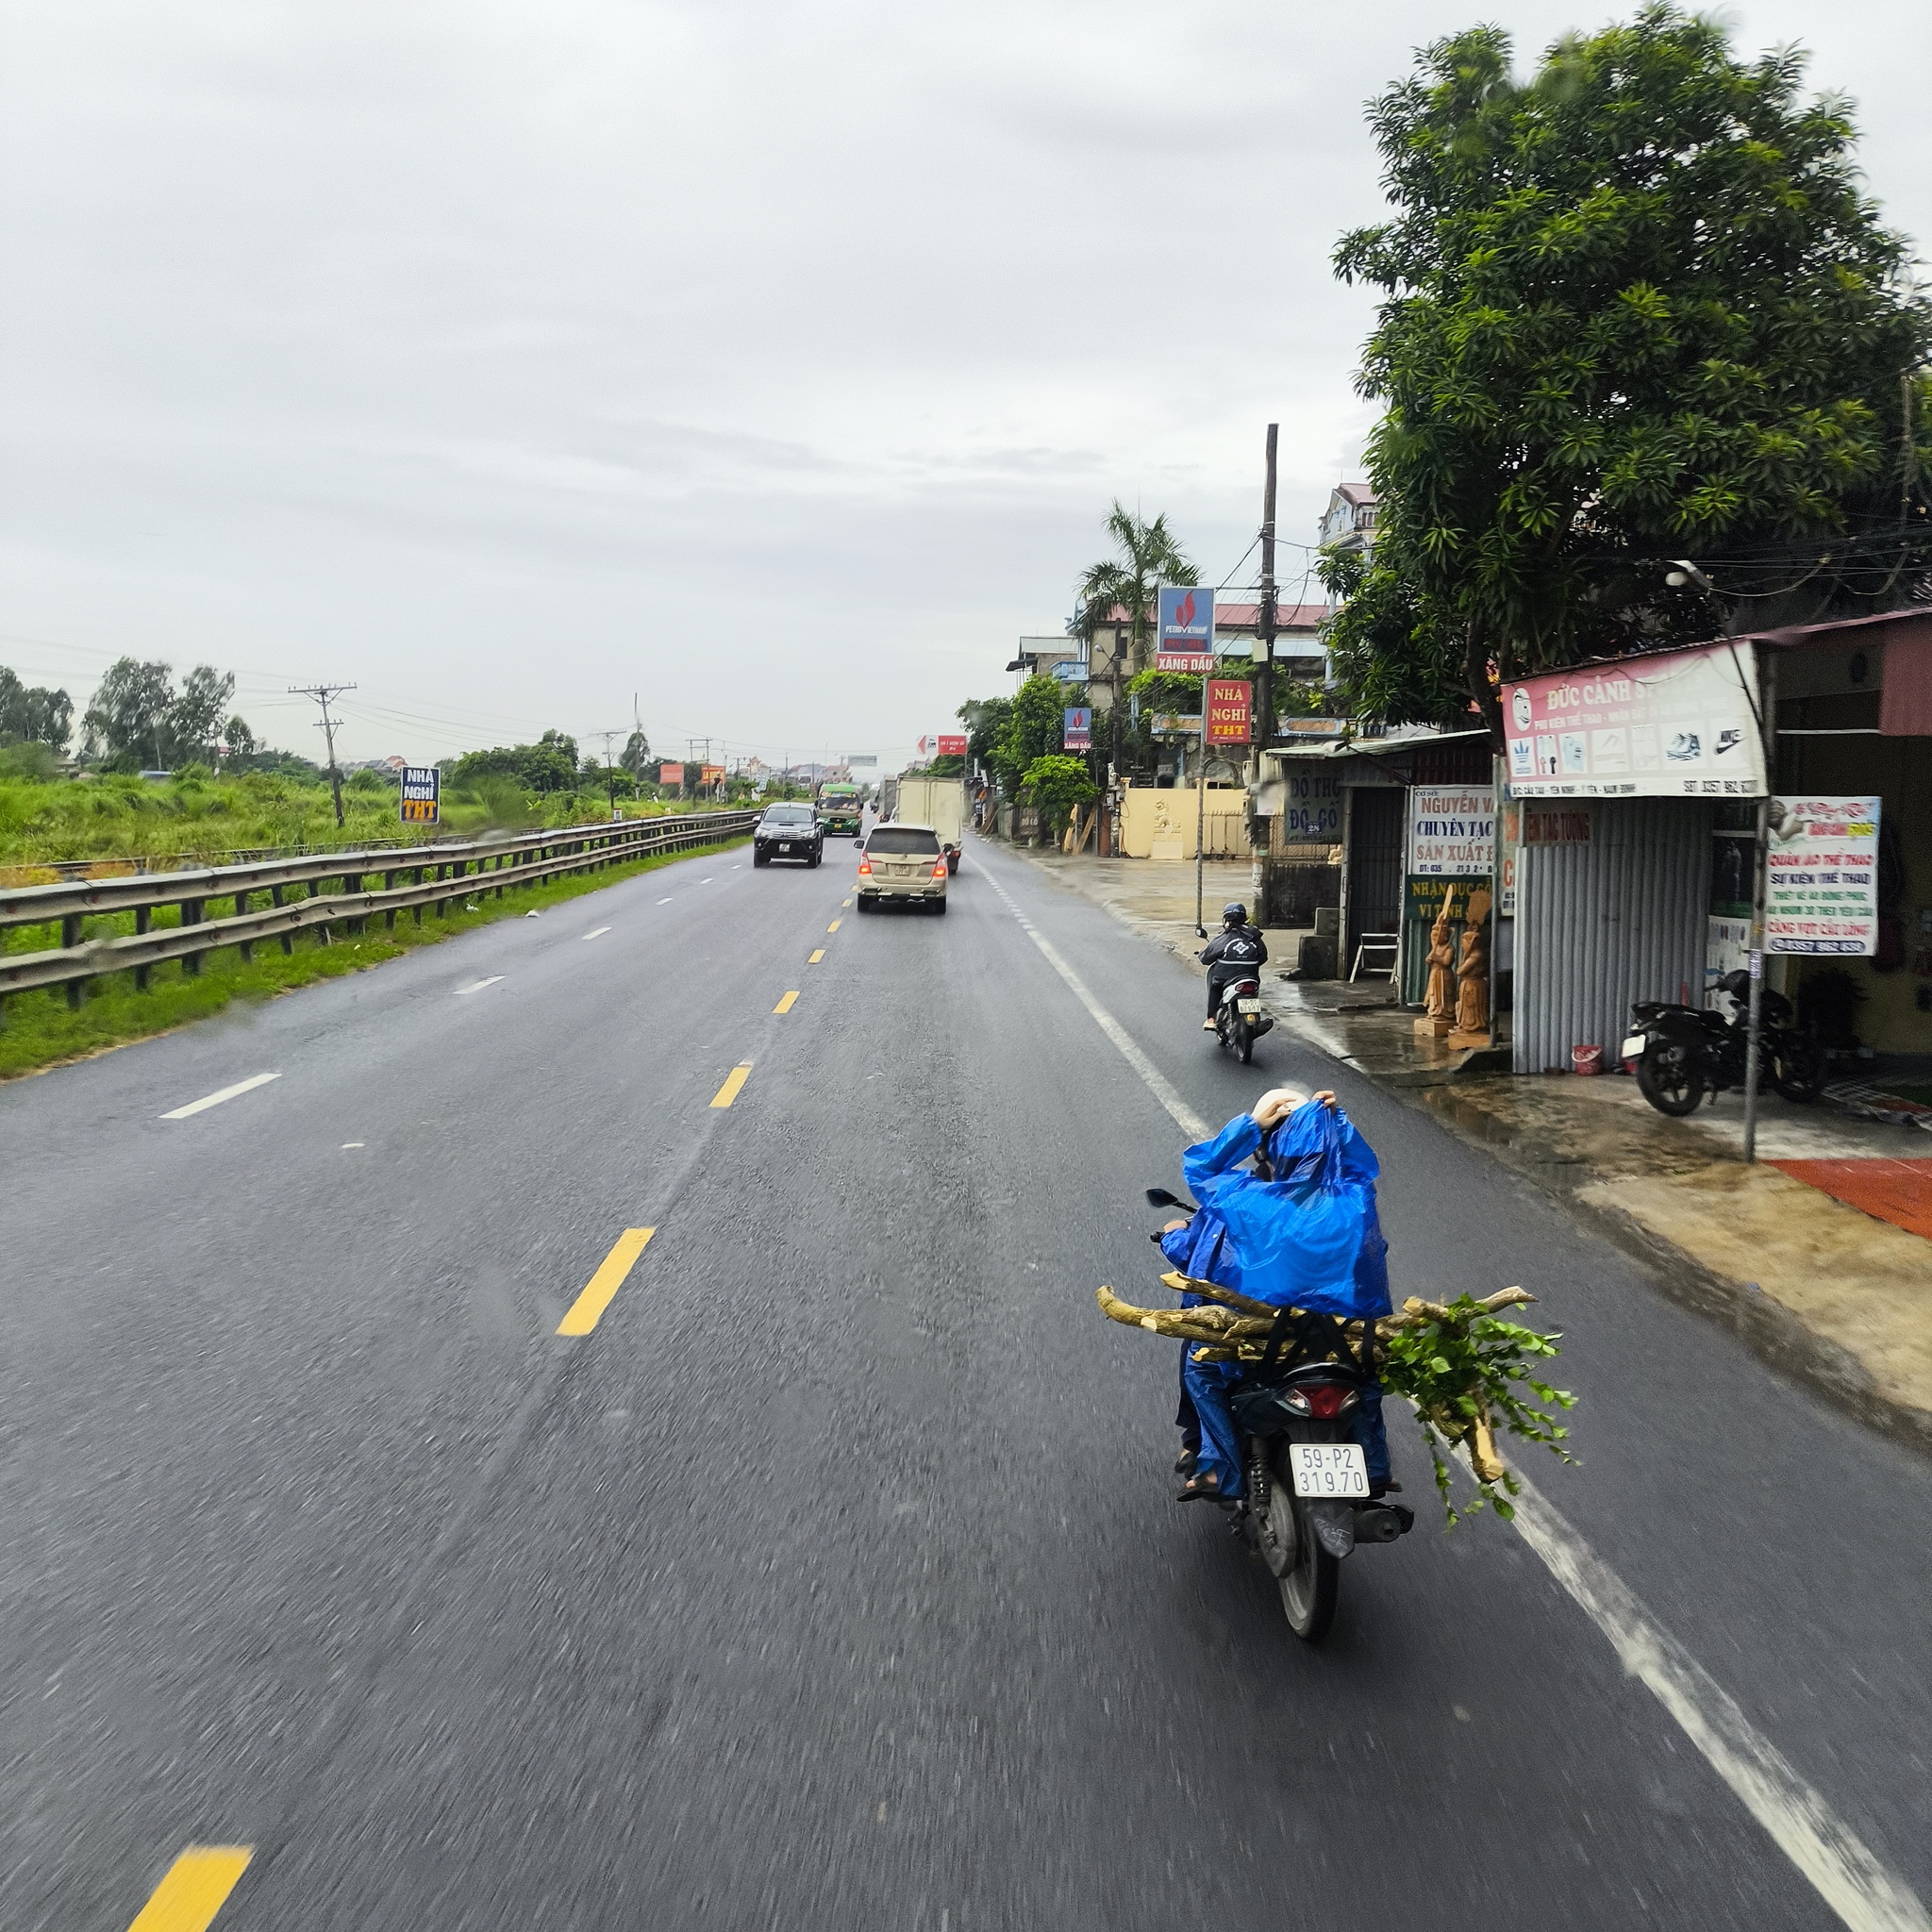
1667, 1079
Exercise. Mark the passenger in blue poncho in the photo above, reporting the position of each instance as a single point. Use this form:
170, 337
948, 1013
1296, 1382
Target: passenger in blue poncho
1298, 1230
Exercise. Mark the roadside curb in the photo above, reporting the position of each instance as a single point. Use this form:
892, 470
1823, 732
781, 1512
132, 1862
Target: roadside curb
1775, 1333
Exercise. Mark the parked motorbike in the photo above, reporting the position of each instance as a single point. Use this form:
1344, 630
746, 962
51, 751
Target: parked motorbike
1241, 1019
1683, 1053
1307, 1505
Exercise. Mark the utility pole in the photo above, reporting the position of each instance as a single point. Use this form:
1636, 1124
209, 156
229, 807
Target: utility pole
1263, 727
609, 773
322, 693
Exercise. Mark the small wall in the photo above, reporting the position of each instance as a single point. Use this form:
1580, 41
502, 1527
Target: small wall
1158, 822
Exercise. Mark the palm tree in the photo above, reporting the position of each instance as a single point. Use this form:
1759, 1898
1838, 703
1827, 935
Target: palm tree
1149, 557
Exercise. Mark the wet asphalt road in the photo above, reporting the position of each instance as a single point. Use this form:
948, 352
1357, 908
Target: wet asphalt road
834, 1579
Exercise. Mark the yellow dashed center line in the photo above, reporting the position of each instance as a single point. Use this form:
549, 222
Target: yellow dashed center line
844, 902
816, 956
734, 1082
197, 1884
606, 1282
786, 1005
833, 927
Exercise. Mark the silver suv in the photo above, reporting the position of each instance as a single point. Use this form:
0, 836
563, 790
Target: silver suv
903, 863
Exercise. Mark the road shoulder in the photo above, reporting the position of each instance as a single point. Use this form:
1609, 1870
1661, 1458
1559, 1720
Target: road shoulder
1831, 1297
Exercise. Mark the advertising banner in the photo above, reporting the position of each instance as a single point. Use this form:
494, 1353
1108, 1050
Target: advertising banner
1452, 831
1076, 728
710, 774
1229, 704
1680, 725
421, 801
1185, 633
1313, 801
671, 775
952, 744
1822, 880
1174, 725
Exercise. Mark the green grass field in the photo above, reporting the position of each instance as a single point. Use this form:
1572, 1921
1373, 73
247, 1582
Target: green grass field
38, 1029
197, 821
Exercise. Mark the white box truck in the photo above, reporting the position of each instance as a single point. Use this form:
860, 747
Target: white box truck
939, 803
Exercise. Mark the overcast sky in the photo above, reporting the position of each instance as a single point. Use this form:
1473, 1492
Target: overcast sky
776, 363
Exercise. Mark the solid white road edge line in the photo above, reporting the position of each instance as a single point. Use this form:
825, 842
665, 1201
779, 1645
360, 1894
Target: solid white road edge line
209, 1100
478, 984
1830, 1854
1157, 1084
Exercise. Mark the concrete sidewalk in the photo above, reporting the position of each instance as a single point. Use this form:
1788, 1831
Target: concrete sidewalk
1837, 1298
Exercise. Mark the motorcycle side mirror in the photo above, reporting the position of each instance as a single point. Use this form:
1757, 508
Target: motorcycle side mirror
1160, 1197
1200, 932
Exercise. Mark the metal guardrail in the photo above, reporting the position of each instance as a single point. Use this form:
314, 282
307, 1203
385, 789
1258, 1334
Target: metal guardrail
456, 871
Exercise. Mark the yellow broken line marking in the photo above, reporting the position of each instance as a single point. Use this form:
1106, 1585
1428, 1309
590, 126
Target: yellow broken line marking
833, 927
734, 1083
196, 1886
786, 1005
844, 902
816, 956
606, 1282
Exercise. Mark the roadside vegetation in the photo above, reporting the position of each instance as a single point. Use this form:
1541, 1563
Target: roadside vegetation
38, 1029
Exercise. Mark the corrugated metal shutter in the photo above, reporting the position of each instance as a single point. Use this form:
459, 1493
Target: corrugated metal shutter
1623, 918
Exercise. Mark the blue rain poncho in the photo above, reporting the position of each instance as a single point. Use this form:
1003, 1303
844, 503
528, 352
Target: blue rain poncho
1311, 1238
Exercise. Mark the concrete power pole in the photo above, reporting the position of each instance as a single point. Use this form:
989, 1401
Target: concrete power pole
322, 693
1264, 679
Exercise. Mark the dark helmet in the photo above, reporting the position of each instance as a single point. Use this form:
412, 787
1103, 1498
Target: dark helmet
1234, 913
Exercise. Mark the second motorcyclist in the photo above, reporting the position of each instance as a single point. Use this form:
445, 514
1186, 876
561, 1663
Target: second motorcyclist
1237, 951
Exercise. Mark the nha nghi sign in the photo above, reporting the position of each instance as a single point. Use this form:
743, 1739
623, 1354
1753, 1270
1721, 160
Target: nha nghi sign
1681, 724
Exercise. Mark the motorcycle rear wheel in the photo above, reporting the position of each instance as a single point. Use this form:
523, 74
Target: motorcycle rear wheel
1666, 1078
1310, 1578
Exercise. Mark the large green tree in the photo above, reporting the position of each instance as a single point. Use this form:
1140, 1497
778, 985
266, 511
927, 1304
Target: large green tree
1637, 309
1032, 729
34, 714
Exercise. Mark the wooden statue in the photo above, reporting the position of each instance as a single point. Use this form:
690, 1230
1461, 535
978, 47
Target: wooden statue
1473, 977
1436, 1000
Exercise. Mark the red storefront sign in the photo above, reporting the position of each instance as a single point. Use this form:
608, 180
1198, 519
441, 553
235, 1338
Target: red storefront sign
1229, 711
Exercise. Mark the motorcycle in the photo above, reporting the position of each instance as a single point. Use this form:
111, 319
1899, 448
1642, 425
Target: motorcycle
1683, 1053
1241, 1019
1308, 1505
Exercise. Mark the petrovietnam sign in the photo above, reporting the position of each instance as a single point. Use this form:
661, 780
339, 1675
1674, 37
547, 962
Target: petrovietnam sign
1676, 725
1184, 629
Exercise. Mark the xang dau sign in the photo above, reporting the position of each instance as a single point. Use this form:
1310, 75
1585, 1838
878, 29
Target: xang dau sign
1452, 830
1676, 725
1822, 876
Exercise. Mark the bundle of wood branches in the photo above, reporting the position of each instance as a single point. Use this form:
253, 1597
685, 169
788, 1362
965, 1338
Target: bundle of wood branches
1462, 1368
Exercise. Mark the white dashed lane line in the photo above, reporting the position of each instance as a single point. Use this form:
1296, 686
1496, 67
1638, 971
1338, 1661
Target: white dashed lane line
663, 902
596, 932
478, 984
209, 1100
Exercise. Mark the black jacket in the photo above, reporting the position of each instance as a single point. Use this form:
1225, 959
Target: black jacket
1237, 945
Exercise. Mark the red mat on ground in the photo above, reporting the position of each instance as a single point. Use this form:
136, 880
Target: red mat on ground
1899, 1191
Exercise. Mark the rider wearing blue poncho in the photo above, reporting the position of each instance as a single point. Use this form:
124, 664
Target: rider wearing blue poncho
1299, 1230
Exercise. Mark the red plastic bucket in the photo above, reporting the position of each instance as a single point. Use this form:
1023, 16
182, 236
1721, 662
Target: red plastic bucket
1586, 1060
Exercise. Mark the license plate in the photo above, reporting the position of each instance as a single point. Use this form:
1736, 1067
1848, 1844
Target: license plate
1247, 1006
1633, 1047
784, 849
1329, 1469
